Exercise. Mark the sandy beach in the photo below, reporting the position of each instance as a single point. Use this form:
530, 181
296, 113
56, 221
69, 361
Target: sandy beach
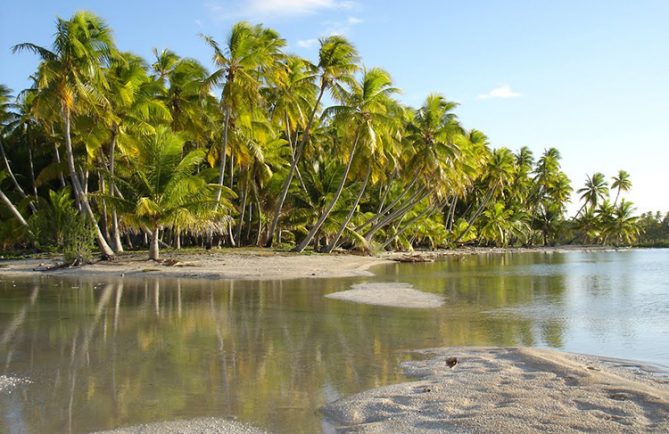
260, 265
514, 390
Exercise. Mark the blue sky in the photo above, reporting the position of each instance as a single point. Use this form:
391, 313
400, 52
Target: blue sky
588, 77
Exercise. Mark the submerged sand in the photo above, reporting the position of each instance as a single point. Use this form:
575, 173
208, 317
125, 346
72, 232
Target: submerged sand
391, 294
519, 390
208, 425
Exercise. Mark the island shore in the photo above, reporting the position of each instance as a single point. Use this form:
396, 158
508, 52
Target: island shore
519, 390
249, 264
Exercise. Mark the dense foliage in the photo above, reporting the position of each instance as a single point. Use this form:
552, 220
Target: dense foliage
268, 149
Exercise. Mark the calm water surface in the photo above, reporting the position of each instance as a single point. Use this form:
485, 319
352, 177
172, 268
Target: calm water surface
107, 353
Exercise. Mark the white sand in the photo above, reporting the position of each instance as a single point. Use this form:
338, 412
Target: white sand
256, 265
389, 294
208, 425
495, 390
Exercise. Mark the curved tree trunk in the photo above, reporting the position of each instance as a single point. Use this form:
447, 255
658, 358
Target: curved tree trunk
329, 248
115, 235
78, 191
13, 209
293, 167
326, 213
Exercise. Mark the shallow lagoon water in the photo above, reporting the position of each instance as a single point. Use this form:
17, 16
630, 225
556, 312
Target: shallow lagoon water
101, 354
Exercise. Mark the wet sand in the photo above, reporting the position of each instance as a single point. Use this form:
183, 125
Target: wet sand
391, 294
519, 390
208, 425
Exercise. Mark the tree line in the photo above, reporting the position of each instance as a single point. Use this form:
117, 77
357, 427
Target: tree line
268, 149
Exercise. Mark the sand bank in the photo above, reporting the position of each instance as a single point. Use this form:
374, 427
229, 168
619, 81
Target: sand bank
392, 294
262, 265
520, 390
208, 425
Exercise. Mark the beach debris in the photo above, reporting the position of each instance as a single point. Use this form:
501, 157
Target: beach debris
412, 259
451, 361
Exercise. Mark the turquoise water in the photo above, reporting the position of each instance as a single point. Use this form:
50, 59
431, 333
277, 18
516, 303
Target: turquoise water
103, 353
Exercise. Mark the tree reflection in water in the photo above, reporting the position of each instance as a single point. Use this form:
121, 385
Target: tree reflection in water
103, 355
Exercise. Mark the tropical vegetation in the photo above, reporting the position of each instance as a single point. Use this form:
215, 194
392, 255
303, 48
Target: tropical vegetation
268, 149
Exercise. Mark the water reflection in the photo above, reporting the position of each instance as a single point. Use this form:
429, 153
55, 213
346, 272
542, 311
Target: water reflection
104, 354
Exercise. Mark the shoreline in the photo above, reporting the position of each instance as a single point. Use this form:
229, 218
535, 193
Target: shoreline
253, 264
522, 390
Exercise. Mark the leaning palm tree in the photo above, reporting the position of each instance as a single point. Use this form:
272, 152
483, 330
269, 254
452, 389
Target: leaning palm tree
72, 74
166, 190
621, 182
337, 64
594, 192
365, 112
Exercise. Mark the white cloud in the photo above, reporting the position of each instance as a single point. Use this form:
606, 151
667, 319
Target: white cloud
341, 27
307, 43
504, 92
229, 9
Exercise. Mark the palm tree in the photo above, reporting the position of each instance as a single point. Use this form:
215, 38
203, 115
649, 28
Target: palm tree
621, 182
337, 63
6, 118
133, 110
596, 190
72, 74
250, 53
165, 188
624, 226
364, 113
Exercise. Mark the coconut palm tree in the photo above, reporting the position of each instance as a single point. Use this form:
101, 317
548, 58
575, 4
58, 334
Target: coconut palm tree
337, 64
166, 190
365, 113
72, 74
595, 191
621, 182
251, 52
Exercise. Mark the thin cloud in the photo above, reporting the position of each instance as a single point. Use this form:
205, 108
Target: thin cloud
231, 9
307, 43
341, 27
501, 92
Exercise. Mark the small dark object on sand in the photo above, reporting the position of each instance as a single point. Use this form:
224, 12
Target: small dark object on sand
451, 361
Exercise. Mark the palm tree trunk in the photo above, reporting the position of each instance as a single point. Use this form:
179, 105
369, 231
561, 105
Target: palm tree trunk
293, 166
103, 213
58, 162
154, 248
256, 196
333, 202
115, 235
419, 195
223, 156
381, 213
13, 209
32, 169
407, 225
78, 192
329, 248
238, 231
478, 212
10, 172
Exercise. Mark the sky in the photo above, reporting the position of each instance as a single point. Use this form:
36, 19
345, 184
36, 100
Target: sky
590, 78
